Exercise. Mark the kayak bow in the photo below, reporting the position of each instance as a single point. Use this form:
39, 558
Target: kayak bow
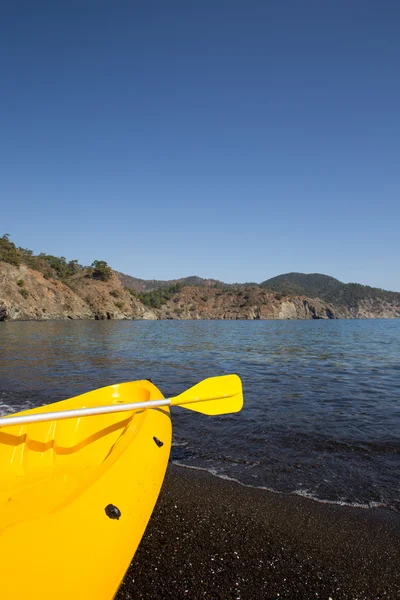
77, 491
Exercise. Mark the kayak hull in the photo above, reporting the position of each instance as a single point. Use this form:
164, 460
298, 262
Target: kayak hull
77, 495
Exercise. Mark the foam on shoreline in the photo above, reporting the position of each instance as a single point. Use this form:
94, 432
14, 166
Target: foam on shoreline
299, 492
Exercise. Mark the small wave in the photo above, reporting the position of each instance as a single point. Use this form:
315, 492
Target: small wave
6, 409
310, 496
214, 472
303, 493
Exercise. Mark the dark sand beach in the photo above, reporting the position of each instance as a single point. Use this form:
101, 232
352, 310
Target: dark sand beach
211, 538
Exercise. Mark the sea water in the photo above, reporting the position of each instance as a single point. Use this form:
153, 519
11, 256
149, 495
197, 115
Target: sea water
322, 398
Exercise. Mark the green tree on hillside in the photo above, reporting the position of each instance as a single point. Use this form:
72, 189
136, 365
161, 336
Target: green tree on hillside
156, 298
59, 264
8, 251
101, 270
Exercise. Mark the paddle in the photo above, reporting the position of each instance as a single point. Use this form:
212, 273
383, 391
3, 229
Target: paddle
212, 396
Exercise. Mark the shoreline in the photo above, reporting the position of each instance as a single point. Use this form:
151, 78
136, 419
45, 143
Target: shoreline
177, 319
299, 494
217, 539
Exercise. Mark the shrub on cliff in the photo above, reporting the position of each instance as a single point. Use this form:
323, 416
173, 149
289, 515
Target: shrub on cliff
9, 252
59, 264
101, 270
156, 298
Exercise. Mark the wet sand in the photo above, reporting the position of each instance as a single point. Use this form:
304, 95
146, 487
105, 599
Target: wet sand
215, 539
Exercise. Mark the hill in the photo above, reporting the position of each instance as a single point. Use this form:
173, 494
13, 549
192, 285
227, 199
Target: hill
148, 285
329, 289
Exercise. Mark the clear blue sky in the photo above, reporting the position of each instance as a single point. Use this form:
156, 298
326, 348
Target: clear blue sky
229, 139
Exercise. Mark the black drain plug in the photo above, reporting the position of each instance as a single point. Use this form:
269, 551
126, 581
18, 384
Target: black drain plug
112, 511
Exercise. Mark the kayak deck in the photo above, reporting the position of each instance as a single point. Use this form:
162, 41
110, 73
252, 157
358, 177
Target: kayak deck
58, 477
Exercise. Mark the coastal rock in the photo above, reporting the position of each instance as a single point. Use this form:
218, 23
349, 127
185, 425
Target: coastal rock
25, 295
250, 304
288, 310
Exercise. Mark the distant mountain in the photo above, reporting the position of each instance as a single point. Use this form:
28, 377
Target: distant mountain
140, 285
329, 289
148, 285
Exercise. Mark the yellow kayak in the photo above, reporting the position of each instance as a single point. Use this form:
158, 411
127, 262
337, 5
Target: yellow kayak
62, 482
77, 493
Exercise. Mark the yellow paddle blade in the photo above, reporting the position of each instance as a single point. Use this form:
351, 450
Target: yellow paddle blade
213, 396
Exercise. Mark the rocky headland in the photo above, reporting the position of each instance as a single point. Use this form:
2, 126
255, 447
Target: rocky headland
45, 287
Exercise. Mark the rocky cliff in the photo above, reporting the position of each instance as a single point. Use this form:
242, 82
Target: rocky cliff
25, 294
255, 303
28, 294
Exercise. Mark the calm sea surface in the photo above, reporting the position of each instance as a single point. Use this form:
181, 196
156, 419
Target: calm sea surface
322, 398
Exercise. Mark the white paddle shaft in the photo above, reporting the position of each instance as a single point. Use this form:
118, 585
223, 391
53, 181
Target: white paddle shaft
82, 412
